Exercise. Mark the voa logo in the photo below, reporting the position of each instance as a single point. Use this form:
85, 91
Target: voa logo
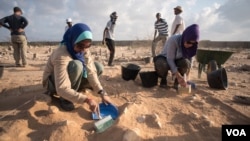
236, 132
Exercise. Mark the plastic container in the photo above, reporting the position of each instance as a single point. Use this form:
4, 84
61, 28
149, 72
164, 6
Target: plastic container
184, 90
106, 110
103, 124
149, 79
130, 71
217, 79
148, 60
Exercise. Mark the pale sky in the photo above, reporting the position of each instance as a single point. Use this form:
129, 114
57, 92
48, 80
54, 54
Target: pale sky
219, 20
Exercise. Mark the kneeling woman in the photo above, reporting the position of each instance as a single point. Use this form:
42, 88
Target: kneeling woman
71, 67
177, 56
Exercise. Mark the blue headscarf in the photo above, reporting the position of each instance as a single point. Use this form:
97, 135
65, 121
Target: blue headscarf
191, 33
74, 35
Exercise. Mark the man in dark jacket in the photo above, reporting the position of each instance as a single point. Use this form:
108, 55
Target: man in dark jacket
16, 24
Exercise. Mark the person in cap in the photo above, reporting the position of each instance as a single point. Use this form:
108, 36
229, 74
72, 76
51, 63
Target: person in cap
178, 24
162, 27
177, 56
71, 67
108, 37
16, 24
69, 24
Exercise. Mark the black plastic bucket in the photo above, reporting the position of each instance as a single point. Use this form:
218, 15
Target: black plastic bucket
1, 71
130, 71
149, 79
148, 60
217, 79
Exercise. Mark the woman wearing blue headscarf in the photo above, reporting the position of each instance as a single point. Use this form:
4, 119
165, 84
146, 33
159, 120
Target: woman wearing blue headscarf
71, 66
177, 56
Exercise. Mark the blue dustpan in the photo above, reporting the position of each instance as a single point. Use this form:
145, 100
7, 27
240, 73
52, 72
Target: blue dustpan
106, 110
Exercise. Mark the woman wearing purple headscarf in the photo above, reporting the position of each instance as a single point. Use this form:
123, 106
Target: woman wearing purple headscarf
177, 56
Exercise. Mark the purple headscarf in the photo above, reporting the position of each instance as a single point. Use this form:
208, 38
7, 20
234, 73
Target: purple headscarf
191, 33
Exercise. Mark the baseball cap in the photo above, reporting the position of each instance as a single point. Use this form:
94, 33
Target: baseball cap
69, 20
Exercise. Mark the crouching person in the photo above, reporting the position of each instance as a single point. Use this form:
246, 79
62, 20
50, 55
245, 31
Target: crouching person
70, 67
177, 56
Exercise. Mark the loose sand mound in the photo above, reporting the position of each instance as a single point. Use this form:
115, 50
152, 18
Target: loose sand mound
149, 114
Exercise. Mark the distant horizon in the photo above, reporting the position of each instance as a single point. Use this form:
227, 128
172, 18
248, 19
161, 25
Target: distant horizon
219, 20
129, 41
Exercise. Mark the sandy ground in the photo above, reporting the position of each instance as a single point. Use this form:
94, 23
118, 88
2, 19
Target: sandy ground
149, 114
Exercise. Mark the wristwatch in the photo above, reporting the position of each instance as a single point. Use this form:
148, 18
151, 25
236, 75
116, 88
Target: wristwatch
102, 93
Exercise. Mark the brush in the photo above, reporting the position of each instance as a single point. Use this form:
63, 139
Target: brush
103, 124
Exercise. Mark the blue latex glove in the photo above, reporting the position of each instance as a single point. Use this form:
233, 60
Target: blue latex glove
193, 86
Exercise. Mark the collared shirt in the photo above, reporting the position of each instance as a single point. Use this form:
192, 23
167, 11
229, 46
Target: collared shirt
162, 27
110, 33
178, 20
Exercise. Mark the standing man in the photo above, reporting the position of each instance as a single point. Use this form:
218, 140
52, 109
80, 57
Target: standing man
16, 24
69, 24
108, 37
162, 27
178, 25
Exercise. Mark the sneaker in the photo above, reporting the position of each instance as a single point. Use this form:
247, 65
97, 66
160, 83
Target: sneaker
66, 105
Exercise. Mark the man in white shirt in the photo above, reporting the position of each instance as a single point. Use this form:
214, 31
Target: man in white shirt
178, 25
69, 24
108, 37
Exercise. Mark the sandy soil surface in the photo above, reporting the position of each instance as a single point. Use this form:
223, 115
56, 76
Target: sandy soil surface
149, 114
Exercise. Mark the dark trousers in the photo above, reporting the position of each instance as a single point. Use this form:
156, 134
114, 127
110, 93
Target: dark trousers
162, 67
111, 46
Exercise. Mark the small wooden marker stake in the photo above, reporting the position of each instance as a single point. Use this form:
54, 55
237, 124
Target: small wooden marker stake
34, 56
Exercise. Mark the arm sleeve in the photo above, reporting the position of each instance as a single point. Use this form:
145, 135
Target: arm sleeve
63, 84
92, 73
108, 26
24, 22
178, 20
171, 49
3, 22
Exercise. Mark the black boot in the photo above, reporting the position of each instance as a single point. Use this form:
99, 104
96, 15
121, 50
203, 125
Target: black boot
66, 105
163, 83
111, 58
